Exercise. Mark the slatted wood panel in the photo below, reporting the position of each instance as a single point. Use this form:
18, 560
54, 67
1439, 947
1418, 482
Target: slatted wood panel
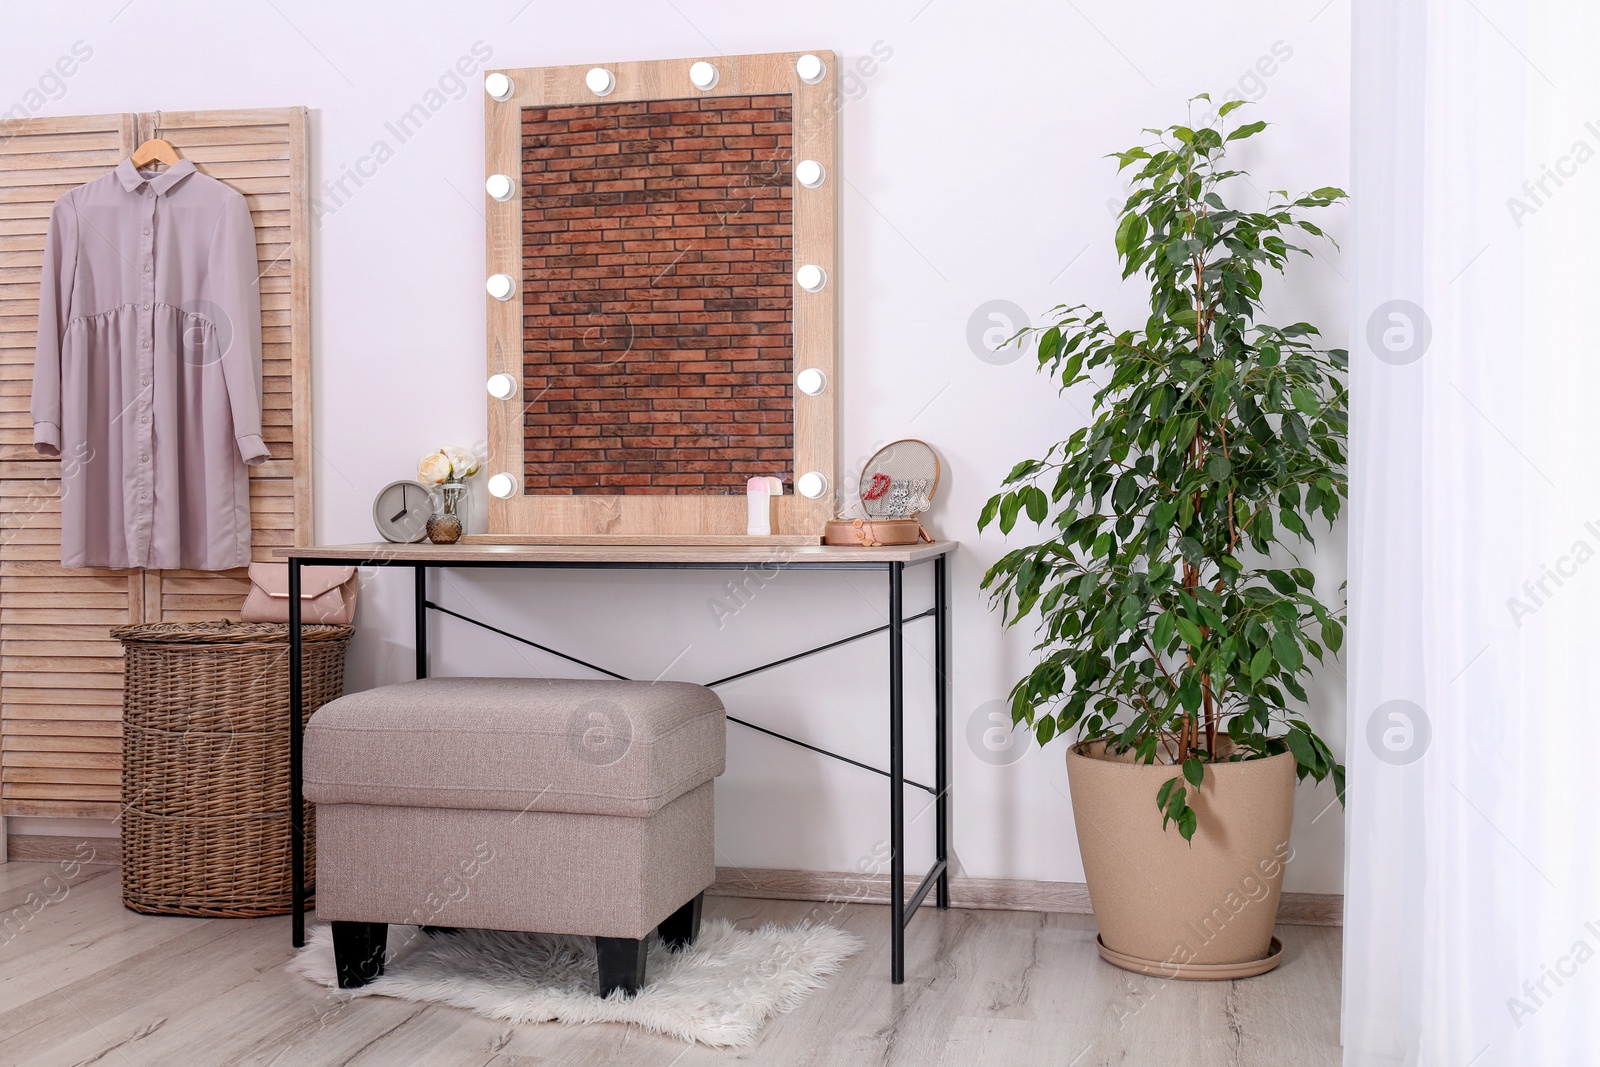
262, 154
40, 160
60, 672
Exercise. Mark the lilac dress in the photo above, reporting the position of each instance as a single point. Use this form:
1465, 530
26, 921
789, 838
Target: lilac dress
147, 378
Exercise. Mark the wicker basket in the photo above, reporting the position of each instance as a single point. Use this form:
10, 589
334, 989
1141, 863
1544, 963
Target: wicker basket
205, 763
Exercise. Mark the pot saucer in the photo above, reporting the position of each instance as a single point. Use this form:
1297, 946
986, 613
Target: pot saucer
1203, 972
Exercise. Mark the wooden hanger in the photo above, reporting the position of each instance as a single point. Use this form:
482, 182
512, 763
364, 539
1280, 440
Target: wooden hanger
155, 150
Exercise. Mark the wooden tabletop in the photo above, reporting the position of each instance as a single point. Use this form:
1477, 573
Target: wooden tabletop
688, 555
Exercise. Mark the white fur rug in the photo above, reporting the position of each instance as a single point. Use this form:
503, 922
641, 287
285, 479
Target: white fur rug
718, 991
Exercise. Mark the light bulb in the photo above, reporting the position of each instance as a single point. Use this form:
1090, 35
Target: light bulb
704, 75
809, 173
501, 187
812, 484
811, 381
502, 386
501, 286
600, 81
502, 485
810, 68
811, 277
498, 86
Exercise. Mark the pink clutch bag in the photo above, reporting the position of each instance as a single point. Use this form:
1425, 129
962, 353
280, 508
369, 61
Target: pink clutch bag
327, 594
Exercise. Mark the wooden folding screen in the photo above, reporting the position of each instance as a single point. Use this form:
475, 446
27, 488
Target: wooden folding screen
60, 672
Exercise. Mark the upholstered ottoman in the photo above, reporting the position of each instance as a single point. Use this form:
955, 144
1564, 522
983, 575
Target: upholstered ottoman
538, 805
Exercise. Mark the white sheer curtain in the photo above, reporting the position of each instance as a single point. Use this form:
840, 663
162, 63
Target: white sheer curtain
1472, 927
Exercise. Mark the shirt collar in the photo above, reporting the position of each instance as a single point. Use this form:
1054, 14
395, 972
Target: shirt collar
131, 179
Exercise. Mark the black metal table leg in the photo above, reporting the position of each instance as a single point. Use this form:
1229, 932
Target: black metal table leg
941, 733
897, 805
420, 575
297, 816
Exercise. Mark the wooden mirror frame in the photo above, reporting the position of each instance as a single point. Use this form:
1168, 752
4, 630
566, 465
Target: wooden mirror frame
527, 518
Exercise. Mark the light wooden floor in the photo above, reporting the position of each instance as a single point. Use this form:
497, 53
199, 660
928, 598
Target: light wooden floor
85, 981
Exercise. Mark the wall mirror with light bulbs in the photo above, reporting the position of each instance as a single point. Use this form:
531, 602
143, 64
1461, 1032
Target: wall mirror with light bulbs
662, 297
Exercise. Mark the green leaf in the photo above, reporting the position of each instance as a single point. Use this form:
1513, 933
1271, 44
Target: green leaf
1049, 344
1249, 129
1129, 157
1332, 634
1009, 506
1189, 692
1260, 664
1037, 503
1294, 430
1045, 729
1187, 824
1129, 233
1219, 468
1306, 400
1127, 491
1304, 753
1166, 623
1194, 770
1190, 632
987, 515
1228, 107
1282, 583
1177, 801
1287, 651
1023, 469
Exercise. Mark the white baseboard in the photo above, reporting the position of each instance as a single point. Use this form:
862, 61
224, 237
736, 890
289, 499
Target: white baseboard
997, 894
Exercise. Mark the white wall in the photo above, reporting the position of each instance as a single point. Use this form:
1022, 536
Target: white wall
974, 171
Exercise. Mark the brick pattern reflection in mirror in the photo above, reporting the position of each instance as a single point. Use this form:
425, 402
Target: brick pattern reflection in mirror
657, 313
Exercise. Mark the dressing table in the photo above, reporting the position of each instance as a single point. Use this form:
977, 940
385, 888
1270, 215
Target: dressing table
893, 561
661, 307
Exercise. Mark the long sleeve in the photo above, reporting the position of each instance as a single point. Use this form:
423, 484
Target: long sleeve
55, 308
235, 289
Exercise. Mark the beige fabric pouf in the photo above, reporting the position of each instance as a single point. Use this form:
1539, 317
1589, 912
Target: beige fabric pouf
540, 805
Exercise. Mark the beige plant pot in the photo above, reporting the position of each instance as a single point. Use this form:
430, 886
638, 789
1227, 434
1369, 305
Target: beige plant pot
1169, 908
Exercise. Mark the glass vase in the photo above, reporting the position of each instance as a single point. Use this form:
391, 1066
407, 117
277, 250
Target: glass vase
445, 527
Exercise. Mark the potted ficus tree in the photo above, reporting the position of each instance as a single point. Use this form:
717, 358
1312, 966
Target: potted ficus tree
1174, 642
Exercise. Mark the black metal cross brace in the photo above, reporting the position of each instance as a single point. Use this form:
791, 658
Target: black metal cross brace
928, 614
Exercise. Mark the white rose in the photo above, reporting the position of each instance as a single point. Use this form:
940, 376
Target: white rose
434, 468
462, 462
